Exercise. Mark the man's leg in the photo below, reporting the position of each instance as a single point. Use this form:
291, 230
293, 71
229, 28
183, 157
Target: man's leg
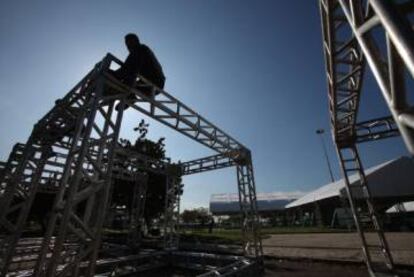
146, 89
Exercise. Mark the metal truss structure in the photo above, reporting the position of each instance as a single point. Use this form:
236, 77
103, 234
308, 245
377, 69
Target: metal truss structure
137, 210
73, 151
376, 34
172, 212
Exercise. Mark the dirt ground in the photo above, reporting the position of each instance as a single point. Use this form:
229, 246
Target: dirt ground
336, 247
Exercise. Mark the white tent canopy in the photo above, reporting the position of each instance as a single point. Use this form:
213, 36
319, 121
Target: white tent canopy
394, 178
407, 207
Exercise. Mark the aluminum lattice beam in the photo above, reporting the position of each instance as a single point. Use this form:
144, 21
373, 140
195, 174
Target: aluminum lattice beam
206, 164
376, 129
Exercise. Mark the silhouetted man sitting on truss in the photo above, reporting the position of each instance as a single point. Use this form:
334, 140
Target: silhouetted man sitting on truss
140, 61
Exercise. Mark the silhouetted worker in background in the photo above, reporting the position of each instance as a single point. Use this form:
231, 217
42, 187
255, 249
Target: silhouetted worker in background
211, 225
140, 61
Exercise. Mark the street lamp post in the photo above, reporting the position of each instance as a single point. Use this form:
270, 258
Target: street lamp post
320, 132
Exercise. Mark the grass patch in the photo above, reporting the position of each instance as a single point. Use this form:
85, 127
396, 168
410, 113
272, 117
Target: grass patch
218, 236
234, 235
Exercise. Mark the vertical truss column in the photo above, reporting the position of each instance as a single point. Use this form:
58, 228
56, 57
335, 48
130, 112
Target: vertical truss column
364, 208
345, 65
385, 36
172, 211
19, 184
137, 210
81, 202
21, 178
380, 33
252, 243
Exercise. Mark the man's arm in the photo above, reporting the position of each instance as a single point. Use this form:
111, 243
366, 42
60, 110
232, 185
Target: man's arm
128, 69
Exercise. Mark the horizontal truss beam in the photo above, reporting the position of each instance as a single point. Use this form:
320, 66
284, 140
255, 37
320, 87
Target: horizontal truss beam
376, 129
207, 163
127, 162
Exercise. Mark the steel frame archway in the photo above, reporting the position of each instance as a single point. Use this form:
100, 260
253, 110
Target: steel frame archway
86, 124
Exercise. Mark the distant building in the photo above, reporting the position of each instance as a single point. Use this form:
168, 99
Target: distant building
227, 204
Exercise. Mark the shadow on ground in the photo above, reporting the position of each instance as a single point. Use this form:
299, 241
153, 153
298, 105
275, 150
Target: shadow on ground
288, 268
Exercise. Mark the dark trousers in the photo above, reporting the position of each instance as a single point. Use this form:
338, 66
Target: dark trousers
147, 89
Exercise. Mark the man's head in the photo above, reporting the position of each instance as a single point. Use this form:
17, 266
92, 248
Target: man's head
132, 42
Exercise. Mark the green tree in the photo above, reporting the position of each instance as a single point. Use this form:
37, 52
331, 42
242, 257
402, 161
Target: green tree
156, 186
199, 215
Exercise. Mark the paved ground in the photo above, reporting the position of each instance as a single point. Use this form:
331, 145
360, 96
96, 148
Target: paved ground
336, 246
285, 268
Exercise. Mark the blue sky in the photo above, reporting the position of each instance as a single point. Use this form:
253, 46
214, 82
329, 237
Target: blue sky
254, 68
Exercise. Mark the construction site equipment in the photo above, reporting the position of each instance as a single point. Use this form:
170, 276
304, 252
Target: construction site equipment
376, 34
73, 150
